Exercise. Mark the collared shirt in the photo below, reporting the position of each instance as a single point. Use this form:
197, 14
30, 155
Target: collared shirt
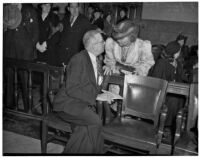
94, 63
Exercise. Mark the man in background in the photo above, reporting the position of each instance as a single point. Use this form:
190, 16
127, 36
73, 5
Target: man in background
74, 27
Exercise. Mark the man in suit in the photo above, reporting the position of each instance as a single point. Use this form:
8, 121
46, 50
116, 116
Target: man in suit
76, 102
74, 27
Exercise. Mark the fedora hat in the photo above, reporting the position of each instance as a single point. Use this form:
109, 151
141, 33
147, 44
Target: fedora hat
11, 16
125, 28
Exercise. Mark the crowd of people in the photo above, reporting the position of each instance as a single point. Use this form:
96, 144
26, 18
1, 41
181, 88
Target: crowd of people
90, 48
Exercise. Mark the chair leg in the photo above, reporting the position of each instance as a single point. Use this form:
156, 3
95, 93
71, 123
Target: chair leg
44, 137
153, 151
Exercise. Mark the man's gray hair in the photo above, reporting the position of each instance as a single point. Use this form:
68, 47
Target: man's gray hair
88, 36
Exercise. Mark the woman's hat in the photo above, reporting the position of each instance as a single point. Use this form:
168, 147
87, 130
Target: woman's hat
181, 37
172, 48
11, 16
124, 28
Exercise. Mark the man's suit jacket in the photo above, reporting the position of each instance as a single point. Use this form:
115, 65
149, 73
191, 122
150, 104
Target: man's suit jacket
81, 87
71, 37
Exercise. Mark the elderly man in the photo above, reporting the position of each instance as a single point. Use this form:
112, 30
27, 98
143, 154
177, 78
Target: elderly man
76, 102
127, 52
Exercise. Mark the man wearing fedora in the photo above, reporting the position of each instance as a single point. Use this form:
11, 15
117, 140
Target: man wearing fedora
125, 52
19, 42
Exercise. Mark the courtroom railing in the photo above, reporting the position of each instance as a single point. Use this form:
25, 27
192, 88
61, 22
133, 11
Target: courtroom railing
19, 77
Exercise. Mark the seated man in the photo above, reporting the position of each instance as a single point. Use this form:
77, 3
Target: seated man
128, 52
76, 102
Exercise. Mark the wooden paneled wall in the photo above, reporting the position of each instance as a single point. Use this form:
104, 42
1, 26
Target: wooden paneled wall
162, 32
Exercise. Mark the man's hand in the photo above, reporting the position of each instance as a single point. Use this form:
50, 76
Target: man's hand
107, 70
41, 47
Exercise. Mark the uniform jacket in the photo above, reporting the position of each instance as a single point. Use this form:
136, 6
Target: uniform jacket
20, 43
71, 37
139, 55
81, 87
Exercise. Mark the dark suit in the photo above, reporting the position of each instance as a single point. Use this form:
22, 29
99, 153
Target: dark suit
71, 37
72, 104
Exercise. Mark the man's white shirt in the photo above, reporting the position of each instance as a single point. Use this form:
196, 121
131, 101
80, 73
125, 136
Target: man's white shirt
94, 63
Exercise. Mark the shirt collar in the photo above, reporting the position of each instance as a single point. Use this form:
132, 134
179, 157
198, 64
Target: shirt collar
92, 56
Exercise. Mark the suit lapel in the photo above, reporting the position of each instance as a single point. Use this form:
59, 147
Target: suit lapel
91, 69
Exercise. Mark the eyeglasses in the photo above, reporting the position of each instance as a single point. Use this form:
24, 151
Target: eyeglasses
100, 42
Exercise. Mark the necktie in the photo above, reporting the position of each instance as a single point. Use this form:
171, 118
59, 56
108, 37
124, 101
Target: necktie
71, 20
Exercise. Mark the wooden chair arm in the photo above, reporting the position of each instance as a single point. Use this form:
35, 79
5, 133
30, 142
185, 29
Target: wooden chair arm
51, 95
163, 116
180, 124
99, 106
104, 111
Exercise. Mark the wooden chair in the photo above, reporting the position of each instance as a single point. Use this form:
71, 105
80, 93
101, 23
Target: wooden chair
103, 109
142, 116
186, 119
180, 89
50, 120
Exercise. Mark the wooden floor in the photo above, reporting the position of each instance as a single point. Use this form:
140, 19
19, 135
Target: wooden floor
14, 143
22, 135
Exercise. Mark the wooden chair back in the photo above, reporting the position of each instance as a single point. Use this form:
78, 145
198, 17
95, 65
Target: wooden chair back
143, 97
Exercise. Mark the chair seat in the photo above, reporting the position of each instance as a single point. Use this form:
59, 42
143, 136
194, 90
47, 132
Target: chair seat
130, 132
186, 145
54, 121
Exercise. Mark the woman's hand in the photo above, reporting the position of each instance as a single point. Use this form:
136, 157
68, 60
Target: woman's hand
107, 70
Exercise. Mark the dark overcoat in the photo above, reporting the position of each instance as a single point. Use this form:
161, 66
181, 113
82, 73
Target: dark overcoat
49, 56
20, 43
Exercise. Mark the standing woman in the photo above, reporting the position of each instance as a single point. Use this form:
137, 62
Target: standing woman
49, 34
108, 25
98, 21
181, 39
